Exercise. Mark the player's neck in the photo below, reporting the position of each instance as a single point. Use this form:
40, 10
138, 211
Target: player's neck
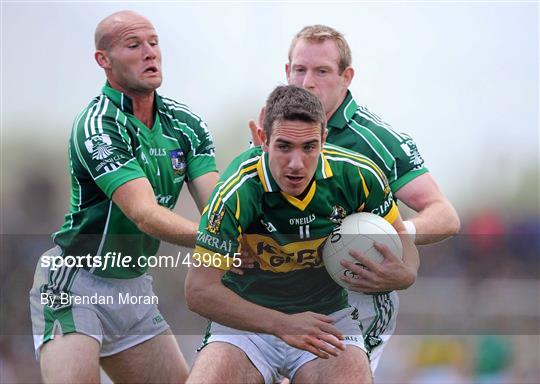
143, 109
330, 113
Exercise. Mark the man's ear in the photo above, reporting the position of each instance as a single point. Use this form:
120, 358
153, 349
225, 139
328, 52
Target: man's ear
348, 75
288, 72
102, 59
324, 135
262, 137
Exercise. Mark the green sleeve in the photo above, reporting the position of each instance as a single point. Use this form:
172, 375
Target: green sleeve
106, 154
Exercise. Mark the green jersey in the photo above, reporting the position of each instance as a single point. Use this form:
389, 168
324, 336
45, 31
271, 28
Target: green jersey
354, 127
286, 233
108, 147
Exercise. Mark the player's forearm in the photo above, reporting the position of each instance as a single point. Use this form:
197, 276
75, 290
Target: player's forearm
220, 304
436, 222
168, 226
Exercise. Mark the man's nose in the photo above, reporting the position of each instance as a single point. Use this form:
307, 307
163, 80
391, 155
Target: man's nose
150, 51
308, 82
296, 160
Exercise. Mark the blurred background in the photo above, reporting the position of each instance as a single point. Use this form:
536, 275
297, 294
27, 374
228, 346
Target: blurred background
461, 78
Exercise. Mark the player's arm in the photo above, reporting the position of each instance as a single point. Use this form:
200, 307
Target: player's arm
136, 199
392, 273
436, 219
201, 188
207, 296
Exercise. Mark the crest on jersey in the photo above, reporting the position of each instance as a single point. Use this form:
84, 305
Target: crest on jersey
214, 223
338, 214
99, 146
409, 147
178, 161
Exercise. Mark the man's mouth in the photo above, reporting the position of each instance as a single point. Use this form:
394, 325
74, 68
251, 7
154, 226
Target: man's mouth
151, 69
294, 179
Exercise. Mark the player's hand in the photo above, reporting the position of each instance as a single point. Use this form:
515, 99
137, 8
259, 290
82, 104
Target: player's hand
312, 332
389, 275
254, 127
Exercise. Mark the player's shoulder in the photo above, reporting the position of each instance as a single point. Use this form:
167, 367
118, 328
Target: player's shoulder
340, 156
97, 117
366, 122
345, 162
243, 165
177, 110
240, 180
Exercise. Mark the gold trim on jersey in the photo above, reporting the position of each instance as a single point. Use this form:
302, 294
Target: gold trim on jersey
364, 186
261, 170
230, 184
285, 258
358, 157
393, 214
302, 204
327, 170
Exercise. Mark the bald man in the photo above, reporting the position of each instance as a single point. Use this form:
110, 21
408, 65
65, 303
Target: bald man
130, 153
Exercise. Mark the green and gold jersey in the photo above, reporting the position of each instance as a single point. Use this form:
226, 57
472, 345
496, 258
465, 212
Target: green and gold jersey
108, 147
353, 127
286, 233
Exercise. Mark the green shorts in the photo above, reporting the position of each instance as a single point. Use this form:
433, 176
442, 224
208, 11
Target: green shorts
118, 313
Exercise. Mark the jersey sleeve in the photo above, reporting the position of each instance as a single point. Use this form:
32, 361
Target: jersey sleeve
103, 147
395, 153
409, 163
232, 208
200, 156
376, 192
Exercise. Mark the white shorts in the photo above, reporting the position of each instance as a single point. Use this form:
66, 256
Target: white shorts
274, 358
376, 316
116, 312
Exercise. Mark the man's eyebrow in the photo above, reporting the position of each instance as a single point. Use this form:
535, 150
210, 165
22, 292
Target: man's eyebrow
283, 141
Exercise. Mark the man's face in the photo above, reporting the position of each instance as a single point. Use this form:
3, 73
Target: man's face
293, 151
133, 62
314, 66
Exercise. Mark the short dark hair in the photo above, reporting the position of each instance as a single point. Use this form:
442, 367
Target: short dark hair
289, 102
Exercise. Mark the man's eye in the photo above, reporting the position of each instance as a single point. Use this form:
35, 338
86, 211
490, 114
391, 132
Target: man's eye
299, 70
134, 45
283, 147
323, 71
154, 43
309, 148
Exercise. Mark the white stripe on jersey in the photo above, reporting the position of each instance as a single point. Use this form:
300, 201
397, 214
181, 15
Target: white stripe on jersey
368, 115
115, 169
120, 132
176, 106
266, 179
239, 184
355, 130
100, 117
170, 138
350, 161
97, 111
226, 182
173, 119
89, 112
345, 109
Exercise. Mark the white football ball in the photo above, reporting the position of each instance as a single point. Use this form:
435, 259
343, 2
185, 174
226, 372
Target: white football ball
358, 232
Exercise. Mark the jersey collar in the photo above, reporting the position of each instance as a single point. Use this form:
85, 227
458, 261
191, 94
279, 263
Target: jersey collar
324, 171
344, 113
123, 101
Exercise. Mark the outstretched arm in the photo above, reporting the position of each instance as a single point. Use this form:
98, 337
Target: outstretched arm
436, 219
136, 199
